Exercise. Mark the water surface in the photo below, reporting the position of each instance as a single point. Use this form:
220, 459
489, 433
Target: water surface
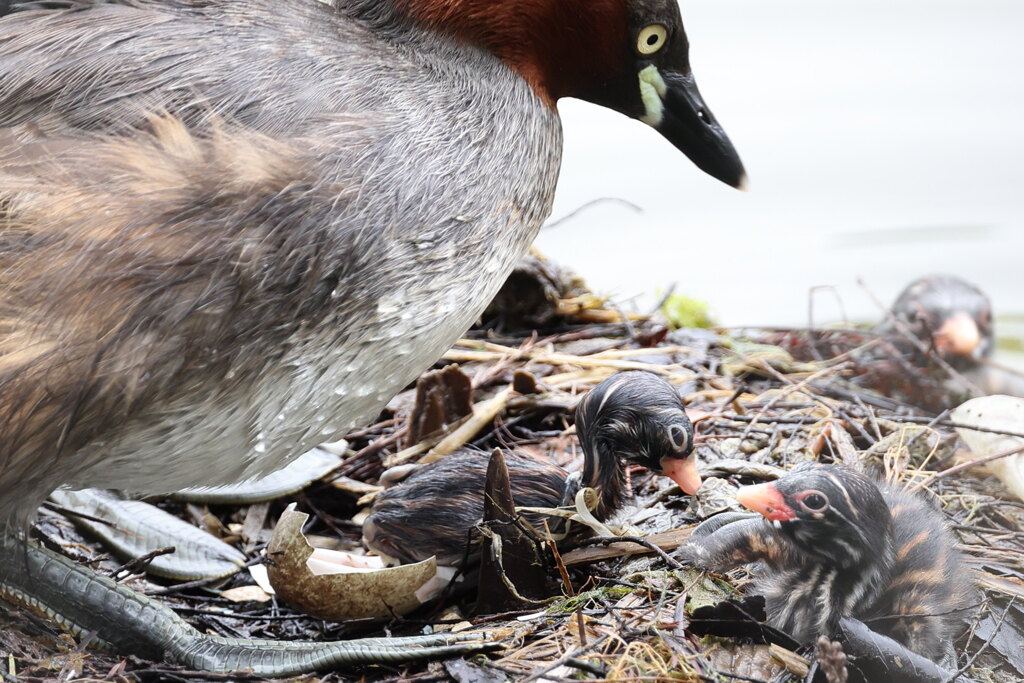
884, 140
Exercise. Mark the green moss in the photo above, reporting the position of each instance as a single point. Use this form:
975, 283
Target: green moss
704, 590
684, 311
582, 599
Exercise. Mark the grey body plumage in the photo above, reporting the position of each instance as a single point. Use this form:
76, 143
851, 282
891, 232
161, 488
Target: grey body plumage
232, 229
319, 212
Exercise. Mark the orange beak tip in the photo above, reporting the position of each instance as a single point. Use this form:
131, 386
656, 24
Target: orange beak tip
767, 501
958, 335
682, 471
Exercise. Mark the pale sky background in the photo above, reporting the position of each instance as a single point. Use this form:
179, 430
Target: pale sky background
884, 139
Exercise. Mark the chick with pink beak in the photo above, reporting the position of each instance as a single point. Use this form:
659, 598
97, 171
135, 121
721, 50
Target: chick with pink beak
958, 336
639, 418
682, 471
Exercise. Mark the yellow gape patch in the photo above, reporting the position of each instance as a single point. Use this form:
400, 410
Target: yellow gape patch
652, 89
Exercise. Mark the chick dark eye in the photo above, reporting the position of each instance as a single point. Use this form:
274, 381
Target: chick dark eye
813, 501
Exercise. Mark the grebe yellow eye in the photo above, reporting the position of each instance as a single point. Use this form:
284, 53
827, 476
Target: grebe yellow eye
651, 39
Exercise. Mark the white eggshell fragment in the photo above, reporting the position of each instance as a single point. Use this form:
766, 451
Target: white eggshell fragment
1004, 413
338, 586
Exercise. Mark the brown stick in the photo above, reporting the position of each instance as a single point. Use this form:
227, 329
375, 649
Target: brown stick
624, 546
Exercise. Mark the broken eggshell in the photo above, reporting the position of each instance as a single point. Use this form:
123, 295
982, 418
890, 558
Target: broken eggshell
1004, 413
337, 586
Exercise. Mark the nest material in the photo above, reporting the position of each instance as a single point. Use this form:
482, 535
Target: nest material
625, 612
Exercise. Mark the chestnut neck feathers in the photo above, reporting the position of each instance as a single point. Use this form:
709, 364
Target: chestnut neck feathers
560, 47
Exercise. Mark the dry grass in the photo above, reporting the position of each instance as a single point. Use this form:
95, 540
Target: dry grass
756, 403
